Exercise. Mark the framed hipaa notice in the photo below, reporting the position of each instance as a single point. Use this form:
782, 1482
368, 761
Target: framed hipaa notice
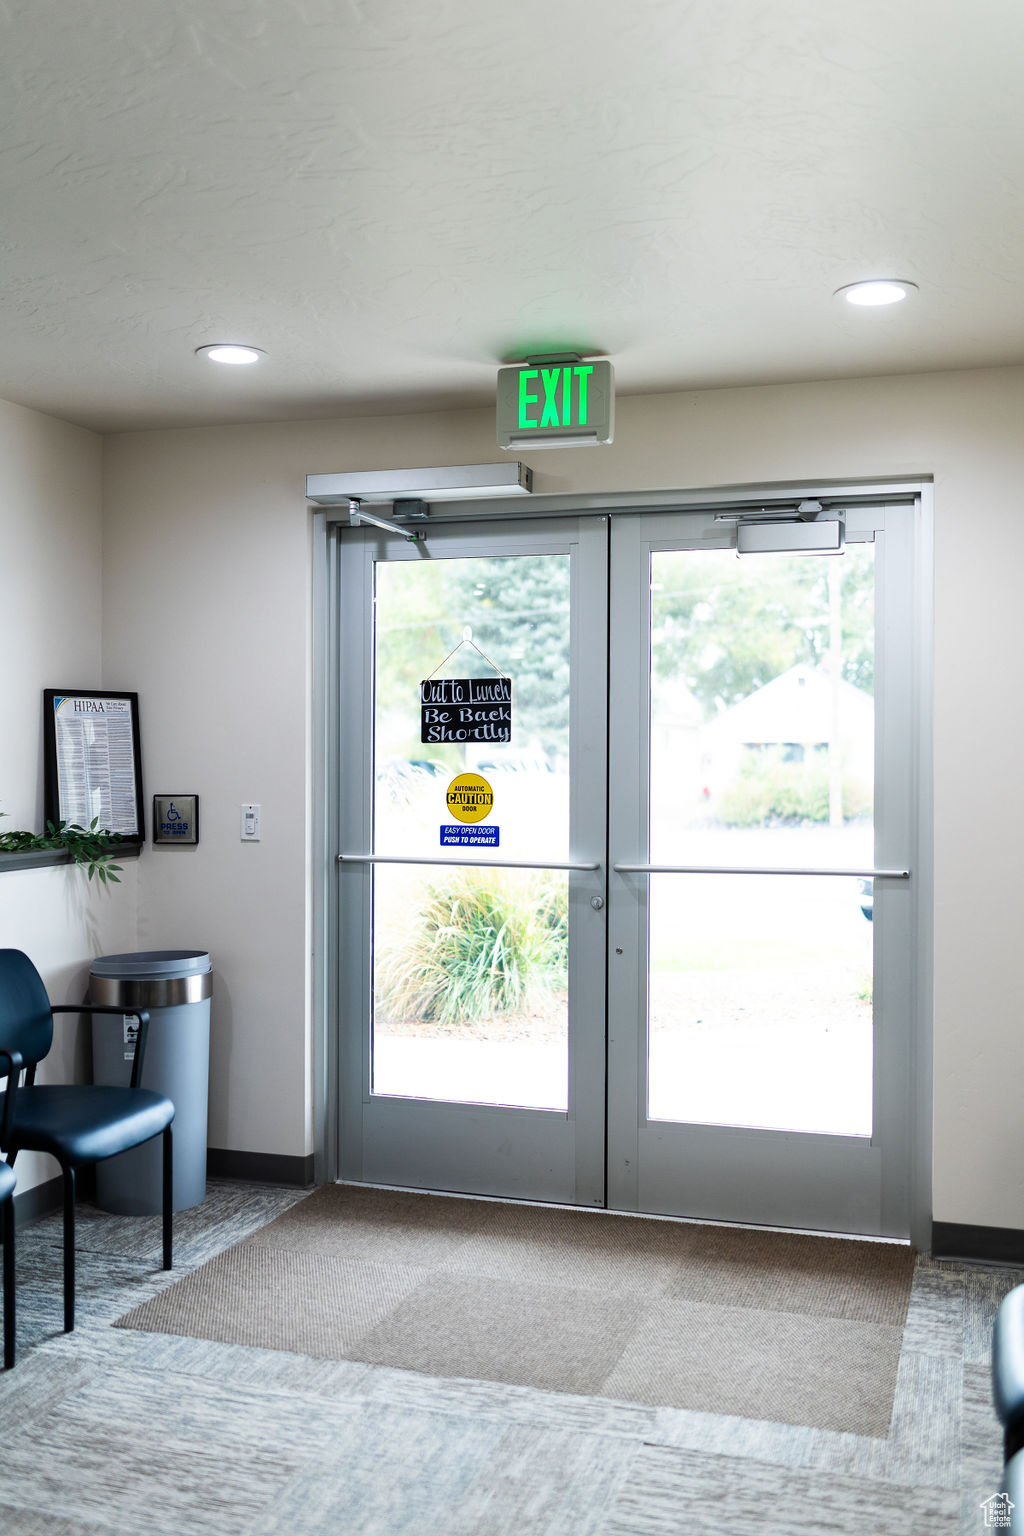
92, 759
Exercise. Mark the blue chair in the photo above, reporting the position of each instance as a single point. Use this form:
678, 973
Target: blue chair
1008, 1370
7, 1182
78, 1125
1008, 1396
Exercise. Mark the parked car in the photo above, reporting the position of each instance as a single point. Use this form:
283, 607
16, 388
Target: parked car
518, 763
867, 897
402, 774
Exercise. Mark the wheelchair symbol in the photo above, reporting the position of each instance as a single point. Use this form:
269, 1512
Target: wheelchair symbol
172, 814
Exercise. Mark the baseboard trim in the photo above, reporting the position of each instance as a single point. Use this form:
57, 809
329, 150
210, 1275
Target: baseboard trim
32, 1204
977, 1245
260, 1167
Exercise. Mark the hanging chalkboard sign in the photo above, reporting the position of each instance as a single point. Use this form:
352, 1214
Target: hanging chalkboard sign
465, 709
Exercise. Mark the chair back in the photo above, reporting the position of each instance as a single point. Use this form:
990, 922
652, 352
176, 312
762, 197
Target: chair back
26, 1023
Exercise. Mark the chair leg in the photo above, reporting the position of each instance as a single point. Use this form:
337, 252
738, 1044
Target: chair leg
9, 1284
168, 1196
69, 1249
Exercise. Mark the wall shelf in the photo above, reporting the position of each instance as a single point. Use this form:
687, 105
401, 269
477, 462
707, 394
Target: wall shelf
42, 858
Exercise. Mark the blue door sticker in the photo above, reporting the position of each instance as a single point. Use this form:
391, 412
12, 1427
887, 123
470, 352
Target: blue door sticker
457, 835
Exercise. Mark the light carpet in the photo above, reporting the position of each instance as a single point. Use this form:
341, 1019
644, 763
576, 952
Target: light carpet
766, 1325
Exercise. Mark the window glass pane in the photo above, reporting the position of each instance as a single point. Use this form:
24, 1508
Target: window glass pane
470, 966
760, 1003
471, 985
762, 755
517, 611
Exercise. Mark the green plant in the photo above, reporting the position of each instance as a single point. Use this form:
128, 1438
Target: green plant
769, 788
86, 845
480, 945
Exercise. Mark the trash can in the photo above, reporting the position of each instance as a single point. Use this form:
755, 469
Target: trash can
174, 986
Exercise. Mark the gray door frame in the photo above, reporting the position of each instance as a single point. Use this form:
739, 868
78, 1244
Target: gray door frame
325, 734
484, 1149
717, 1172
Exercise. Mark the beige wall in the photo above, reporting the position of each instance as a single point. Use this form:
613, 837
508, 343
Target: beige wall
50, 636
206, 577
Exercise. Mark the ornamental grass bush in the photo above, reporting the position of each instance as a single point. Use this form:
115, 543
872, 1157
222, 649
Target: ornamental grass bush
483, 943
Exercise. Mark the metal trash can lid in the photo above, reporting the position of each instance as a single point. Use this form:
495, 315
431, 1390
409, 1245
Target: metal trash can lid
153, 964
151, 978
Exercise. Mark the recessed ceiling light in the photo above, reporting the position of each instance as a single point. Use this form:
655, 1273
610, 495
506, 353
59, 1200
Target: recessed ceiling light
876, 291
230, 352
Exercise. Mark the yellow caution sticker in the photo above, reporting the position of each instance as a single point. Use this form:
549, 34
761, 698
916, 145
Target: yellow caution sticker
469, 797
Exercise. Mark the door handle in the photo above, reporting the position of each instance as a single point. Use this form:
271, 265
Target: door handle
732, 869
394, 858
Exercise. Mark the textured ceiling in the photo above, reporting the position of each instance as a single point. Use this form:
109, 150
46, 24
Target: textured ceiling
390, 196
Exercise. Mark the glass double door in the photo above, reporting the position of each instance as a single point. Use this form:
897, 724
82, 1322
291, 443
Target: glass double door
623, 849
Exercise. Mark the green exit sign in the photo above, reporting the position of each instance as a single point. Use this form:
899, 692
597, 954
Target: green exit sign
556, 403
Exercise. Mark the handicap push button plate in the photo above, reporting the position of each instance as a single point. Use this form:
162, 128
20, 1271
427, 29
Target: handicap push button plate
175, 821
